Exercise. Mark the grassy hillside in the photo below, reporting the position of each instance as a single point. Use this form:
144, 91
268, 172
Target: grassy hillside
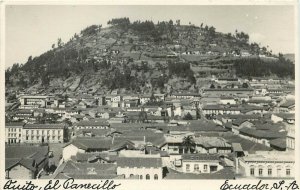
144, 57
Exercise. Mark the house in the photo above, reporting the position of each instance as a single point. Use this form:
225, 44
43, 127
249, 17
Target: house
201, 163
288, 106
259, 102
269, 164
145, 168
261, 136
95, 157
78, 170
230, 117
286, 117
172, 144
92, 125
32, 101
184, 95
13, 132
25, 162
239, 123
290, 139
24, 115
86, 144
245, 53
227, 100
145, 98
211, 145
228, 91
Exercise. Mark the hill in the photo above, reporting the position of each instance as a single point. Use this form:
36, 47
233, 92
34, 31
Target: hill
290, 56
144, 57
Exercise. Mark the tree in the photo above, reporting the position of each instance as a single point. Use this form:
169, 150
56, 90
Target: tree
143, 116
189, 143
245, 85
29, 59
188, 116
59, 42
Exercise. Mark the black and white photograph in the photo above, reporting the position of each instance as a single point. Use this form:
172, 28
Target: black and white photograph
149, 92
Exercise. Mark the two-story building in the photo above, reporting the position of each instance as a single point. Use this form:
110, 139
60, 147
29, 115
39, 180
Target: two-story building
43, 133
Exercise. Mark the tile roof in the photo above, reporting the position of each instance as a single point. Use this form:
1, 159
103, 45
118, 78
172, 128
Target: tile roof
86, 143
44, 126
262, 134
211, 142
71, 169
200, 157
280, 142
92, 123
14, 124
25, 155
226, 173
139, 162
237, 147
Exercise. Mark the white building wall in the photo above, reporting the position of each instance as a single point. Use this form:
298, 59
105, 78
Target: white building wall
141, 172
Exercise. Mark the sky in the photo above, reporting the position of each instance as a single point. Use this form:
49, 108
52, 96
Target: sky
32, 29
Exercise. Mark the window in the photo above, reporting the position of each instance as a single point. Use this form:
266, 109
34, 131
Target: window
288, 171
252, 171
269, 170
131, 175
156, 177
147, 177
205, 167
260, 171
187, 166
278, 171
141, 176
196, 167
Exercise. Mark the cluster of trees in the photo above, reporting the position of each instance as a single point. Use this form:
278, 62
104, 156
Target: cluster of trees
181, 70
122, 23
256, 67
52, 63
146, 27
241, 36
91, 30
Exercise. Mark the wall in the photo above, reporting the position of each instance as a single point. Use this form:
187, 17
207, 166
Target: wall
20, 172
70, 150
274, 165
140, 171
201, 166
